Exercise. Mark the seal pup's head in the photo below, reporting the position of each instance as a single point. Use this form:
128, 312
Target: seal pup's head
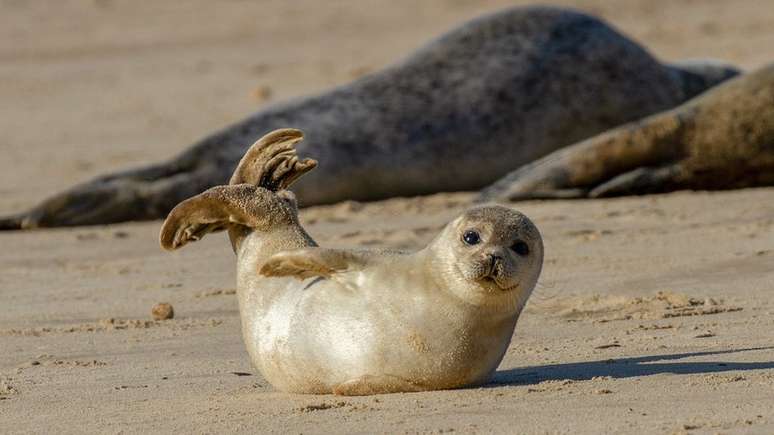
490, 256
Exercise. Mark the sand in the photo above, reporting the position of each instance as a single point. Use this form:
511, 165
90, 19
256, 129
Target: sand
654, 314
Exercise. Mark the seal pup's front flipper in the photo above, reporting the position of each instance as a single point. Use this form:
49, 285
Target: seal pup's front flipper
315, 262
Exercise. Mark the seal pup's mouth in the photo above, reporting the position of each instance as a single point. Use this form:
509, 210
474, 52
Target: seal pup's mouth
494, 274
492, 280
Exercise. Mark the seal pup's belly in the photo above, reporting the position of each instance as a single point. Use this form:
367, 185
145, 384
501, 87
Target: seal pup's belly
319, 334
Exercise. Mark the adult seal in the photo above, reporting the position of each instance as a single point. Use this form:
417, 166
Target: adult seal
722, 139
318, 320
497, 92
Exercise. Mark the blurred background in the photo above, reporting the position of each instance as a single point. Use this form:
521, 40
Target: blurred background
90, 86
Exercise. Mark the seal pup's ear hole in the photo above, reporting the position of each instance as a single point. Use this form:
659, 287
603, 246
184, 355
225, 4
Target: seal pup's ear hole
215, 210
272, 162
313, 262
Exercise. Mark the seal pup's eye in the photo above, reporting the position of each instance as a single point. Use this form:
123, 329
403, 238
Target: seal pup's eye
521, 248
471, 237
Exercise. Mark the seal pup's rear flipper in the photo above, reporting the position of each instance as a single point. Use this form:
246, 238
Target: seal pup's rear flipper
254, 199
315, 262
272, 162
223, 207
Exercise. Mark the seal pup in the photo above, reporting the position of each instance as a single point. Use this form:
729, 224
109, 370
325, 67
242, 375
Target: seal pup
722, 139
491, 95
352, 322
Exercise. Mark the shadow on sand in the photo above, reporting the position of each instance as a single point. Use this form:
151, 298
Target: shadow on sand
628, 367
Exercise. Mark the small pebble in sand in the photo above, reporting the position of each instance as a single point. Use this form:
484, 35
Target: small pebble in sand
162, 311
261, 93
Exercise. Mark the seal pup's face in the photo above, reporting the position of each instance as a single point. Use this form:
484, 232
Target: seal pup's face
492, 255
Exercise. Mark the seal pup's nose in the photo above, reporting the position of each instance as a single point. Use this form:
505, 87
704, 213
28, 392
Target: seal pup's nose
494, 263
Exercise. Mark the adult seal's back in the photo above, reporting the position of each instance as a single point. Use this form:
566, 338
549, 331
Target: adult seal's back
478, 102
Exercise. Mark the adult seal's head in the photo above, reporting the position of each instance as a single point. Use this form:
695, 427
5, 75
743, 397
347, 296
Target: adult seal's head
490, 256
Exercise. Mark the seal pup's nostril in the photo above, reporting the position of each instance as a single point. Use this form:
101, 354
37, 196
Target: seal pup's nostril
494, 259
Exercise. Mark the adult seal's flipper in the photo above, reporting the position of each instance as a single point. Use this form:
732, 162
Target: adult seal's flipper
575, 171
722, 139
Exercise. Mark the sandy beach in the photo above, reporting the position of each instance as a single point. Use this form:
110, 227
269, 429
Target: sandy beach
653, 314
